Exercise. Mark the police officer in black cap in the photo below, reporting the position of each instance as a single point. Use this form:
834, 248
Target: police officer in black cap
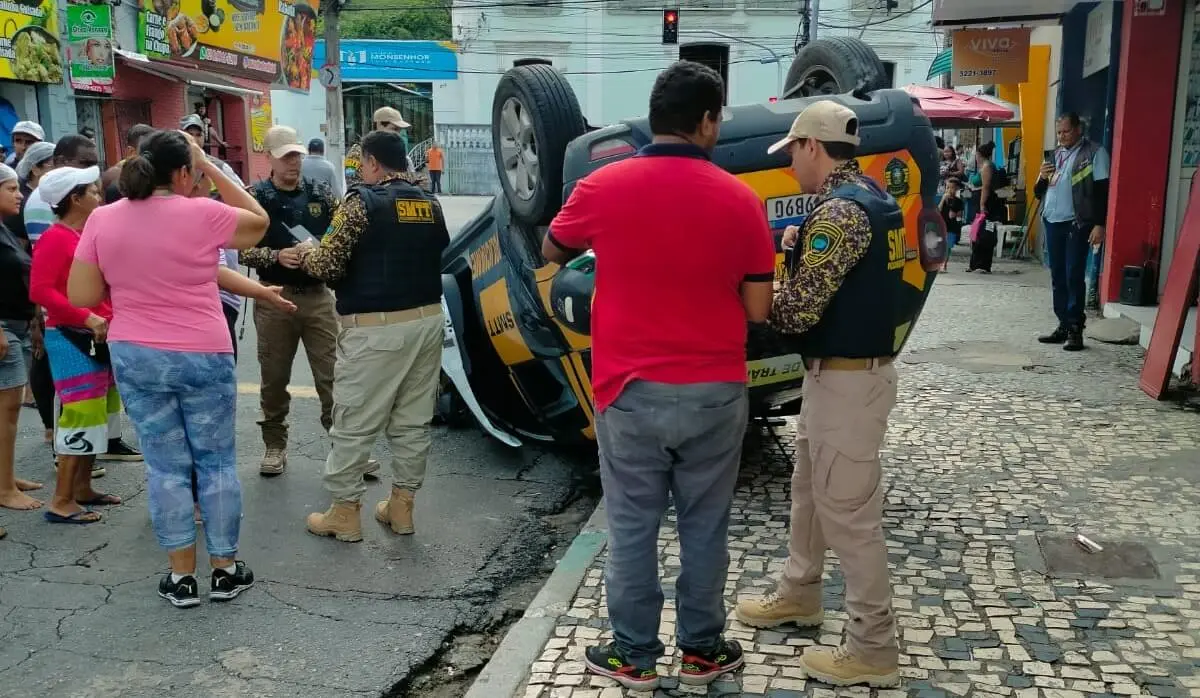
383, 257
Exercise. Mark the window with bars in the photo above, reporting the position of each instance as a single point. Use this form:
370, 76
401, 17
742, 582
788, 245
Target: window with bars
792, 7
532, 7
880, 8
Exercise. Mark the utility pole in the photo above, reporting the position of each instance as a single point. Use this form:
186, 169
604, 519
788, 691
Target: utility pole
814, 16
335, 129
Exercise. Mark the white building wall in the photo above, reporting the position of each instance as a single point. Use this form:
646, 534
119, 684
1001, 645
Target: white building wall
1050, 36
611, 54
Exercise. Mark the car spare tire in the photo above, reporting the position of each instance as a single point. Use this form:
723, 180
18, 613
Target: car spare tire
534, 116
836, 65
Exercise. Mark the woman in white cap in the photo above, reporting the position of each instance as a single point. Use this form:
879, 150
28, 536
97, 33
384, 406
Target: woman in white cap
16, 345
75, 344
24, 134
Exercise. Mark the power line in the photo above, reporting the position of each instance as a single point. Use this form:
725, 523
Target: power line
889, 18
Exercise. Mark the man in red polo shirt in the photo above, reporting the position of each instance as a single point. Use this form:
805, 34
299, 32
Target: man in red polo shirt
684, 258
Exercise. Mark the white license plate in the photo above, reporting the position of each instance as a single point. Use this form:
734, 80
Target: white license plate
783, 211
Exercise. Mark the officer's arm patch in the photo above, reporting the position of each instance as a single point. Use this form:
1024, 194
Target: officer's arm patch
821, 240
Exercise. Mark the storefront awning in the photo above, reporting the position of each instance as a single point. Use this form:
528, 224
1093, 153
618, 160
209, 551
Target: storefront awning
974, 13
941, 65
175, 73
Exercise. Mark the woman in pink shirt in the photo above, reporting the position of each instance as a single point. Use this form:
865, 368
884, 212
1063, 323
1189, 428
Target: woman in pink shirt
83, 379
170, 346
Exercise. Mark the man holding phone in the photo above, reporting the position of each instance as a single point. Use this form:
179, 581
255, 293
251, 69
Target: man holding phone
300, 211
1073, 187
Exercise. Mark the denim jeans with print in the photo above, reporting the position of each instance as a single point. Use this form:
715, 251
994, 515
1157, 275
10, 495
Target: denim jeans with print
182, 406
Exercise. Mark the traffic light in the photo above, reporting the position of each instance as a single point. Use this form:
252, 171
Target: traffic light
670, 26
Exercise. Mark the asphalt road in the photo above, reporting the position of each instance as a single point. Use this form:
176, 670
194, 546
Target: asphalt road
79, 614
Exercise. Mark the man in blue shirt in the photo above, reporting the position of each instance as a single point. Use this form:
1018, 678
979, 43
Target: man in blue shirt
1074, 193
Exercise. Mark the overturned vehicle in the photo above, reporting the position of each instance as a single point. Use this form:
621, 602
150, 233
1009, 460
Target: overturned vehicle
517, 351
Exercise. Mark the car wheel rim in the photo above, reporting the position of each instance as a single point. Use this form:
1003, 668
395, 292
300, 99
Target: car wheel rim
518, 149
818, 80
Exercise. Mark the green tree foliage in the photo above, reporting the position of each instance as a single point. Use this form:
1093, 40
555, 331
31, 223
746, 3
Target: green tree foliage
395, 19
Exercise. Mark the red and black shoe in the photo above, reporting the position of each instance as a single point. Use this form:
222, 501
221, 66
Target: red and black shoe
606, 660
701, 669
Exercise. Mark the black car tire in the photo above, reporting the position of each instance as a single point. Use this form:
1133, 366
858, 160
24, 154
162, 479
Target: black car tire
546, 98
451, 410
836, 65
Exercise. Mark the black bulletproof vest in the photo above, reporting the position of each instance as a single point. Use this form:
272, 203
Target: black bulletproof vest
397, 262
287, 209
863, 318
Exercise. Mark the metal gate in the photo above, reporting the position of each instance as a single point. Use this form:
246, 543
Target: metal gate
470, 165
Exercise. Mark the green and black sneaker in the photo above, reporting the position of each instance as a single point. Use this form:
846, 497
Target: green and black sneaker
702, 668
607, 661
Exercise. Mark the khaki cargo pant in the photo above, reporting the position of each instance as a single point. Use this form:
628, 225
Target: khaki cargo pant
385, 380
837, 502
279, 334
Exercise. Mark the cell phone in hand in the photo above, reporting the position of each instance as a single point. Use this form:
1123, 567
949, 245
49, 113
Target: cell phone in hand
1048, 156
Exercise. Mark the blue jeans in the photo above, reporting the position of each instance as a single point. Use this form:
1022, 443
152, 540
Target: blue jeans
1067, 248
660, 442
182, 406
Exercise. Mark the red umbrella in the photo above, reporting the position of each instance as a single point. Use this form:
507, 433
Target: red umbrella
943, 105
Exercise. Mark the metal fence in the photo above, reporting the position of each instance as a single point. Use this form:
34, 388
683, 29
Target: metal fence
470, 165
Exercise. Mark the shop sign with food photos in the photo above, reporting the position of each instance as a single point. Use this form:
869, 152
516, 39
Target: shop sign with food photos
29, 41
89, 47
266, 40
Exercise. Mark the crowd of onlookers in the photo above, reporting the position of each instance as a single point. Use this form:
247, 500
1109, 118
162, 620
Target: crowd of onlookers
113, 280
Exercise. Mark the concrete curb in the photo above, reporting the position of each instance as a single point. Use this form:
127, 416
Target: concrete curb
509, 665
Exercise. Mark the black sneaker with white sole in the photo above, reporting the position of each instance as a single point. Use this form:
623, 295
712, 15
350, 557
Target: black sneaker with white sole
702, 668
226, 586
182, 594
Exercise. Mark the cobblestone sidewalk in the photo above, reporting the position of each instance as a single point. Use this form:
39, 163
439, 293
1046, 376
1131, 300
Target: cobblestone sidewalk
998, 452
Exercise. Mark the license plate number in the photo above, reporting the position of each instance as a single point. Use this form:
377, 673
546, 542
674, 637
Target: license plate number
783, 211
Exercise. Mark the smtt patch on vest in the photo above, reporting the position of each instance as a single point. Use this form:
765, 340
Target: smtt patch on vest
315, 209
895, 177
414, 211
823, 239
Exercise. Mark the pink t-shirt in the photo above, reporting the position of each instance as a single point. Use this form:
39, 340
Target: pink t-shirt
160, 257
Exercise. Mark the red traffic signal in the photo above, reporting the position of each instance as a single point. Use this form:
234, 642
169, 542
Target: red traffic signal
670, 32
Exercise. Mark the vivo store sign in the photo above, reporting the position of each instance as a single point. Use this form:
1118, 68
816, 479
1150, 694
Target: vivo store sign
990, 56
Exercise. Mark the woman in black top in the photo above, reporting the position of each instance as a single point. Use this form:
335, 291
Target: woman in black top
18, 342
983, 184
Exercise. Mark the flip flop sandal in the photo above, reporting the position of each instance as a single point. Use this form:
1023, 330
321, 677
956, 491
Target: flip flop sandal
100, 500
76, 518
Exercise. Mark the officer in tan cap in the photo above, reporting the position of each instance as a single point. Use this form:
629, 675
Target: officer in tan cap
384, 119
838, 306
300, 211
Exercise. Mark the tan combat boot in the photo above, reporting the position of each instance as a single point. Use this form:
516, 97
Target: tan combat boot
341, 521
273, 463
772, 610
839, 667
397, 511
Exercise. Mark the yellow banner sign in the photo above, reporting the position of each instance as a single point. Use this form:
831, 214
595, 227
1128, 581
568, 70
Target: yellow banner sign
990, 56
267, 40
29, 47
